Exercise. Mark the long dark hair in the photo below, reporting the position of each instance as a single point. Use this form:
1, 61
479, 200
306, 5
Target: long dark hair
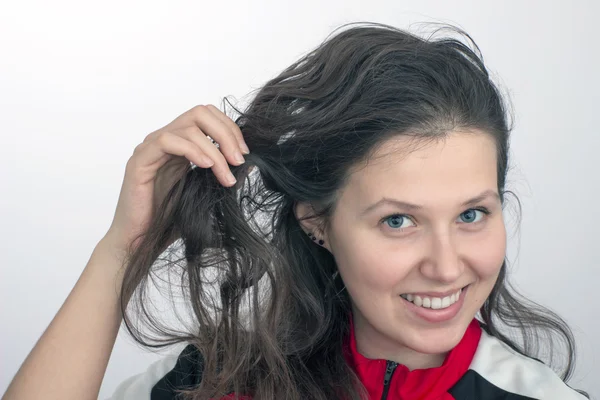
267, 313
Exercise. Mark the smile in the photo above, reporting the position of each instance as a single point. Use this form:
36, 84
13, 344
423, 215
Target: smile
435, 303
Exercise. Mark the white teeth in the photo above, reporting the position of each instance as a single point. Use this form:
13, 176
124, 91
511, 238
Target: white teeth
445, 302
435, 303
418, 301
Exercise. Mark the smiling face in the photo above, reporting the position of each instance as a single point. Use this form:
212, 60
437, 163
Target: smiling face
420, 223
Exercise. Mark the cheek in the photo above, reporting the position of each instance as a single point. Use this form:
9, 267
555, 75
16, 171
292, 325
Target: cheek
367, 266
488, 254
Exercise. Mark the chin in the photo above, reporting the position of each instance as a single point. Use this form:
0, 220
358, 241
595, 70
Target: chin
436, 340
427, 347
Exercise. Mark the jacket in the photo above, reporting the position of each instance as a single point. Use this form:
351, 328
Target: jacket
480, 367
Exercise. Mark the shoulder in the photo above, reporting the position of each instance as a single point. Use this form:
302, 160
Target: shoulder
506, 370
180, 369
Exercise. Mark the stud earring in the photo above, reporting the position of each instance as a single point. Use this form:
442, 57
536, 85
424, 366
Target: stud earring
314, 238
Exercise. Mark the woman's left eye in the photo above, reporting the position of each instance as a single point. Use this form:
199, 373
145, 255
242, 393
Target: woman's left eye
473, 215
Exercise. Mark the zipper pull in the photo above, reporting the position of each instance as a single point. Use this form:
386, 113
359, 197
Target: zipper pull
389, 371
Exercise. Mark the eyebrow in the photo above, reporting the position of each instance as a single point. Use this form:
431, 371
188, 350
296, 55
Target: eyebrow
413, 207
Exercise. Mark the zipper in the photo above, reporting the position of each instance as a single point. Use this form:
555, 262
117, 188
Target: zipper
390, 367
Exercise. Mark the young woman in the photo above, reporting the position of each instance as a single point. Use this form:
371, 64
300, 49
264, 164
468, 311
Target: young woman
362, 238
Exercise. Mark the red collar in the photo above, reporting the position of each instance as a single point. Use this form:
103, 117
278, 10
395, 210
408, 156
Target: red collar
418, 384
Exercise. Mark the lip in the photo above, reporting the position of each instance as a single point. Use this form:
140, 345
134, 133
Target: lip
440, 315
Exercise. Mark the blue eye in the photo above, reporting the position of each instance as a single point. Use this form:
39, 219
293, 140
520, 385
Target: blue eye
471, 216
397, 221
400, 222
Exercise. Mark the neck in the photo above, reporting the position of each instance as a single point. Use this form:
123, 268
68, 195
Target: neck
376, 345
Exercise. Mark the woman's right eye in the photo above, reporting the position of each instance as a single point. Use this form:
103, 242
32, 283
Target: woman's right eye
397, 221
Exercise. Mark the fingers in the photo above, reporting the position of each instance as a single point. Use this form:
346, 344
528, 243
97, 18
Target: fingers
208, 149
194, 146
214, 127
189, 136
150, 155
237, 133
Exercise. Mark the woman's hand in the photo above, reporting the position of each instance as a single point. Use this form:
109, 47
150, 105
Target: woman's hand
163, 157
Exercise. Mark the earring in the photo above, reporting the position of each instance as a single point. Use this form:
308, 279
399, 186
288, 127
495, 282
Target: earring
314, 238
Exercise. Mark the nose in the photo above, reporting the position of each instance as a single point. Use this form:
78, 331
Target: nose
444, 263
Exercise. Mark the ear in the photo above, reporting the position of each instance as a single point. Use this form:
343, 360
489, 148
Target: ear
304, 213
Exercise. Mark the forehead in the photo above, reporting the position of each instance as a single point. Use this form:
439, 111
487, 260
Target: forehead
449, 169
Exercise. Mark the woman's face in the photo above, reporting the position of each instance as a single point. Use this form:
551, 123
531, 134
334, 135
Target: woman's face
411, 229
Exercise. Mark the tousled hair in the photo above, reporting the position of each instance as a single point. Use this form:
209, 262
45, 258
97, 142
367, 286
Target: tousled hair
268, 314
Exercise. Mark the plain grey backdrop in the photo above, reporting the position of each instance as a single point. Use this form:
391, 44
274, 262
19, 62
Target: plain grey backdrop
82, 83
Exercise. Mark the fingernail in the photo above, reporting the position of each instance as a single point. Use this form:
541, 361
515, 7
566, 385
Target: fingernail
238, 157
245, 148
230, 178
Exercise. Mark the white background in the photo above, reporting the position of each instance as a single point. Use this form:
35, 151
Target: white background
82, 83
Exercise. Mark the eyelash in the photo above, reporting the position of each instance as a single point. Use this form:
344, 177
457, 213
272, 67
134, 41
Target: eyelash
484, 210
